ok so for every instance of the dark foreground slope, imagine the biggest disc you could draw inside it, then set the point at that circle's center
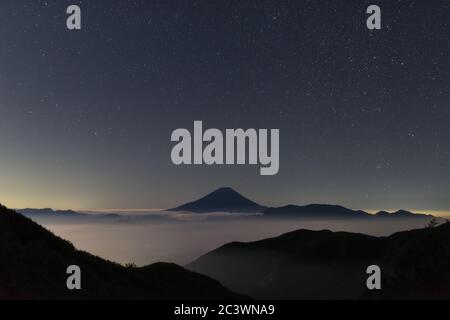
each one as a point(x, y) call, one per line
point(332, 265)
point(33, 265)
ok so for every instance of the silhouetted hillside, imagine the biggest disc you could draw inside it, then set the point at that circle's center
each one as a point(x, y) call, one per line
point(222, 200)
point(332, 265)
point(33, 265)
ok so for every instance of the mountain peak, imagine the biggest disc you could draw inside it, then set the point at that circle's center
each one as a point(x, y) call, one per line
point(224, 199)
point(402, 212)
point(225, 190)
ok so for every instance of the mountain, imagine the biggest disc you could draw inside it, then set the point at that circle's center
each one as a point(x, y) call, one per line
point(50, 216)
point(33, 265)
point(334, 212)
point(402, 214)
point(222, 200)
point(229, 200)
point(315, 211)
point(49, 212)
point(332, 265)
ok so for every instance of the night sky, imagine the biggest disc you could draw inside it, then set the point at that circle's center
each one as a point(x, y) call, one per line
point(86, 116)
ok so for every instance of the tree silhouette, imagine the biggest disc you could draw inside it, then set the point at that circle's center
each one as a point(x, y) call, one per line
point(130, 265)
point(432, 223)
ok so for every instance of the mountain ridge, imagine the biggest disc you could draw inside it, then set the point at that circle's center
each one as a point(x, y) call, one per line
point(315, 210)
point(305, 264)
point(226, 199)
point(49, 212)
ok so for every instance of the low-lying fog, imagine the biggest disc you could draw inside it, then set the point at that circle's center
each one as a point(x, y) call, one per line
point(182, 240)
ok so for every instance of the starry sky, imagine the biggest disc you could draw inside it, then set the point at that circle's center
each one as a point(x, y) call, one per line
point(86, 116)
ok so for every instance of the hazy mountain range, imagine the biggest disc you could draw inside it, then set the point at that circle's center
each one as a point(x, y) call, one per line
point(47, 215)
point(227, 200)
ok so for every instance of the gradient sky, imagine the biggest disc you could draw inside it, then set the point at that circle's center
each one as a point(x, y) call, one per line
point(86, 116)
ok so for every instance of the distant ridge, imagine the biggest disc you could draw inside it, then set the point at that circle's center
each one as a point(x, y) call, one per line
point(226, 199)
point(334, 211)
point(222, 200)
point(315, 211)
point(48, 212)
point(402, 214)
